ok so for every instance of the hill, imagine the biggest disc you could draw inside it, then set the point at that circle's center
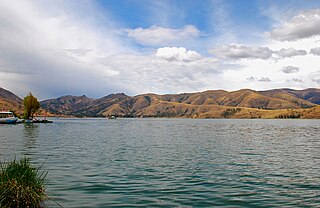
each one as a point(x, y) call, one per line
point(10, 101)
point(311, 94)
point(243, 103)
point(82, 105)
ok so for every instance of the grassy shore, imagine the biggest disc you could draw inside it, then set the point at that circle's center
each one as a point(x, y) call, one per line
point(21, 184)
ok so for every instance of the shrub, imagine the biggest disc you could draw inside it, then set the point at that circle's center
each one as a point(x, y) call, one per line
point(228, 113)
point(21, 184)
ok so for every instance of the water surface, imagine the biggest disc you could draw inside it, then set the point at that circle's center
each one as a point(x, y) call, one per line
point(173, 162)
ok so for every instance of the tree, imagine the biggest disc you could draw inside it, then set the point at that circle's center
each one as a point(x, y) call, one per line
point(31, 105)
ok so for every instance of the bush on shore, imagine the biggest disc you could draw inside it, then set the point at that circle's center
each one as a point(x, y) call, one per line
point(21, 184)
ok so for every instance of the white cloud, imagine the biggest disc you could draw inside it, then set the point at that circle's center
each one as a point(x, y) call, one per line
point(247, 52)
point(241, 52)
point(152, 74)
point(251, 78)
point(51, 52)
point(79, 51)
point(177, 54)
point(298, 80)
point(264, 79)
point(158, 36)
point(315, 51)
point(290, 69)
point(304, 25)
point(267, 67)
point(289, 52)
point(315, 78)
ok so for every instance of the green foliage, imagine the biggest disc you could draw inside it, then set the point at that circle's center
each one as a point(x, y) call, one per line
point(21, 184)
point(31, 105)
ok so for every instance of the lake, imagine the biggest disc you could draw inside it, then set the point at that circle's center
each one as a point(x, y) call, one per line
point(173, 162)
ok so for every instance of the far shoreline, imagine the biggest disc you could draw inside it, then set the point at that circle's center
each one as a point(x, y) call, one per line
point(154, 117)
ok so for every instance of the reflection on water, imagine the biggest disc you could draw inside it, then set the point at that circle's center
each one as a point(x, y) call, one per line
point(31, 130)
point(31, 135)
point(174, 162)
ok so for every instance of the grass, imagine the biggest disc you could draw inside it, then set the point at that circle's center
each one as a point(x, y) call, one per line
point(21, 184)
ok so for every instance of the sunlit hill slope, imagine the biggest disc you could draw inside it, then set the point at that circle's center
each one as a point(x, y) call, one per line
point(245, 103)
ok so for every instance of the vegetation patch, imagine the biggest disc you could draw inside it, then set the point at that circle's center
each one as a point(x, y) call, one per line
point(31, 105)
point(297, 115)
point(21, 184)
point(230, 112)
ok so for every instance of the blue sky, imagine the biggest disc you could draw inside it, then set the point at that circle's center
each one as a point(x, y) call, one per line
point(55, 47)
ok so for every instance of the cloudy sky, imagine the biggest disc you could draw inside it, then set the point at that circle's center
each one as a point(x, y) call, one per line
point(54, 47)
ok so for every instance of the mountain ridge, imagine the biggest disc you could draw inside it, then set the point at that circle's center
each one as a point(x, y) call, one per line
point(197, 104)
point(10, 101)
point(244, 103)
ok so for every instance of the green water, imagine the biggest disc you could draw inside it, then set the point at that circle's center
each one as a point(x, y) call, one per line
point(173, 162)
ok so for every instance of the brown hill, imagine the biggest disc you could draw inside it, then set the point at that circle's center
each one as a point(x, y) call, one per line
point(81, 105)
point(66, 105)
point(312, 94)
point(10, 101)
point(99, 106)
point(241, 98)
point(244, 103)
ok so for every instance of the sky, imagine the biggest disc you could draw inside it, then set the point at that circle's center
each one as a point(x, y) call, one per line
point(86, 47)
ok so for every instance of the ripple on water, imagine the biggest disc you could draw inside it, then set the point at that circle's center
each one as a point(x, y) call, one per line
point(173, 162)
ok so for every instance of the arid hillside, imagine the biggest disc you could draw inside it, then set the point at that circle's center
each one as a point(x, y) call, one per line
point(10, 101)
point(246, 103)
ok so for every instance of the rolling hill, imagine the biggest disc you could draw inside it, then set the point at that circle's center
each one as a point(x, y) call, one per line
point(10, 101)
point(245, 103)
